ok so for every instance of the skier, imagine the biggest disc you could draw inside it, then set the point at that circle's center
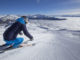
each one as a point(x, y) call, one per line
point(10, 35)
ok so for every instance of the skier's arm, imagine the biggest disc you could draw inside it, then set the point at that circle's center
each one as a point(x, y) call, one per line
point(25, 31)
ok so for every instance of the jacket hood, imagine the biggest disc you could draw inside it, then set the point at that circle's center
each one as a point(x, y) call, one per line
point(21, 20)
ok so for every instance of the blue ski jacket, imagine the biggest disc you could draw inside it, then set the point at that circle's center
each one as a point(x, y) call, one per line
point(12, 32)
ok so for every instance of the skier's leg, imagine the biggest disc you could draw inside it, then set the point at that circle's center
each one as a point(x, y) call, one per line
point(17, 42)
point(8, 43)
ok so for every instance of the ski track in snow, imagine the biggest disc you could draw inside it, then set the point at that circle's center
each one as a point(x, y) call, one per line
point(50, 45)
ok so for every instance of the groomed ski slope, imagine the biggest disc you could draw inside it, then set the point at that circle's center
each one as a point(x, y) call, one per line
point(51, 44)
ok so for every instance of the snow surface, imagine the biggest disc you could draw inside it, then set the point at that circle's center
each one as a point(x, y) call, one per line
point(55, 40)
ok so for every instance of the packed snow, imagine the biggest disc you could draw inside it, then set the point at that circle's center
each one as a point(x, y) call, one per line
point(55, 40)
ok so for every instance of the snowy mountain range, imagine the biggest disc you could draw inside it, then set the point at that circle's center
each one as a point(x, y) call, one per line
point(78, 15)
point(12, 18)
point(8, 18)
point(44, 17)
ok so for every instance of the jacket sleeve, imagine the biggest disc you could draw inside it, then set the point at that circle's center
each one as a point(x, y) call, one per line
point(25, 31)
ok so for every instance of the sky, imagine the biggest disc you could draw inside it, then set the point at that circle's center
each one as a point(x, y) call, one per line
point(48, 7)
